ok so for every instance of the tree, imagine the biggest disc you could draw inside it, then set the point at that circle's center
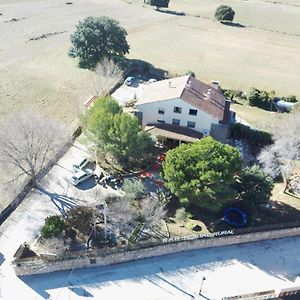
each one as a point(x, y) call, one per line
point(54, 225)
point(122, 211)
point(200, 173)
point(255, 186)
point(113, 131)
point(224, 13)
point(159, 3)
point(28, 142)
point(96, 38)
point(280, 157)
point(152, 212)
point(107, 74)
point(181, 215)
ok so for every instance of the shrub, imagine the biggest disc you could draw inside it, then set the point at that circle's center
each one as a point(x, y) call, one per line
point(255, 186)
point(182, 215)
point(253, 136)
point(224, 13)
point(54, 225)
point(134, 189)
point(291, 98)
point(260, 99)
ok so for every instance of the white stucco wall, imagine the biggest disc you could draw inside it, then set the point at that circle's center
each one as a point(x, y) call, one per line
point(150, 114)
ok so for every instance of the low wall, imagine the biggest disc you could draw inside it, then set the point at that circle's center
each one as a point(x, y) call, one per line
point(25, 267)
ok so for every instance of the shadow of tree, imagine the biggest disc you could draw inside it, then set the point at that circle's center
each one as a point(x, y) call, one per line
point(172, 12)
point(233, 24)
point(62, 202)
point(81, 292)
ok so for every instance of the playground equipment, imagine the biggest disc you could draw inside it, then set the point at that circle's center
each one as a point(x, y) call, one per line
point(235, 217)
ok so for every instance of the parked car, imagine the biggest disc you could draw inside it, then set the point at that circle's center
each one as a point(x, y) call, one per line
point(78, 167)
point(129, 80)
point(152, 80)
point(81, 176)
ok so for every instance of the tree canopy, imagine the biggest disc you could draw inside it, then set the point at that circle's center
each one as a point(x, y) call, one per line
point(28, 141)
point(255, 186)
point(115, 132)
point(200, 173)
point(96, 38)
point(159, 3)
point(280, 158)
point(224, 13)
point(54, 225)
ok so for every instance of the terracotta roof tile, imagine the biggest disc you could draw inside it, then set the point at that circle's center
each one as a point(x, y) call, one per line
point(204, 97)
point(190, 90)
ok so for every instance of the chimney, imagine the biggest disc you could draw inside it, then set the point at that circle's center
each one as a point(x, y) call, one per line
point(215, 85)
point(226, 114)
point(208, 93)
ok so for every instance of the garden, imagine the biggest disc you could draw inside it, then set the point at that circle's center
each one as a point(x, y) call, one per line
point(202, 188)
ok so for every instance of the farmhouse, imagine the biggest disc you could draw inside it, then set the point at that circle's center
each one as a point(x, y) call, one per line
point(183, 109)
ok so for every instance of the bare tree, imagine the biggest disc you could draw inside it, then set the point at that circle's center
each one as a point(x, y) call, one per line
point(28, 141)
point(107, 74)
point(280, 157)
point(122, 211)
point(152, 211)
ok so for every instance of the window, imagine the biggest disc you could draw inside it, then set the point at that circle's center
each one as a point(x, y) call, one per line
point(193, 112)
point(161, 111)
point(160, 121)
point(191, 124)
point(177, 109)
point(176, 122)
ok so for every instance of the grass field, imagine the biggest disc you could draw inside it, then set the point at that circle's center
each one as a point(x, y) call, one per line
point(39, 74)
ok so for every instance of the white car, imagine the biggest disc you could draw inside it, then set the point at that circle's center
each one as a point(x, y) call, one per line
point(129, 80)
point(78, 167)
point(152, 80)
point(81, 176)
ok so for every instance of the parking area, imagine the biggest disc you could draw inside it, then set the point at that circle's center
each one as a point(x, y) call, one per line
point(54, 195)
point(126, 93)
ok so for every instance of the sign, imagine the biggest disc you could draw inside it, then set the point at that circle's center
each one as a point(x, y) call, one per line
point(198, 236)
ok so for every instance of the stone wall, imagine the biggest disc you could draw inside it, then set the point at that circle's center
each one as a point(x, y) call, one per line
point(25, 267)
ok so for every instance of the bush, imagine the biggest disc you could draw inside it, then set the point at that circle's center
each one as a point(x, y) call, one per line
point(291, 98)
point(240, 131)
point(255, 186)
point(260, 99)
point(54, 225)
point(134, 189)
point(224, 13)
point(253, 136)
point(182, 215)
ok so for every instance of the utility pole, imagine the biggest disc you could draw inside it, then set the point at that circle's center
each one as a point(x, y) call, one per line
point(103, 208)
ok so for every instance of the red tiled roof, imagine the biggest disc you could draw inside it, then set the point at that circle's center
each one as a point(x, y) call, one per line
point(188, 89)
